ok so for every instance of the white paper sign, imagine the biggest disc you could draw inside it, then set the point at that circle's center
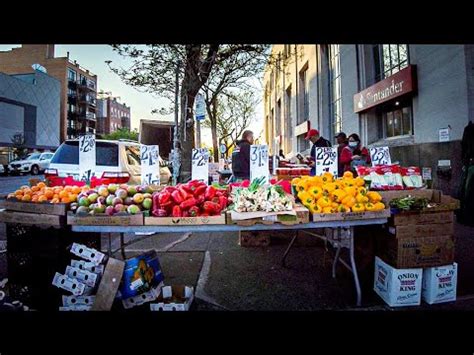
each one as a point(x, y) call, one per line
point(426, 173)
point(326, 160)
point(200, 107)
point(200, 164)
point(86, 157)
point(443, 134)
point(150, 164)
point(259, 162)
point(380, 156)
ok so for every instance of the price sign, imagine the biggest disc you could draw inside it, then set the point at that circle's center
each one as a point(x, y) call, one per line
point(150, 164)
point(326, 160)
point(380, 156)
point(259, 162)
point(86, 157)
point(200, 164)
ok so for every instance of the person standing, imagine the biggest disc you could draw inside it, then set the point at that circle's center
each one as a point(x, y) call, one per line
point(318, 141)
point(354, 154)
point(241, 157)
point(341, 140)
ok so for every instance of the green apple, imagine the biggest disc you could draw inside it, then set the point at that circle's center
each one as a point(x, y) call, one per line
point(133, 209)
point(147, 203)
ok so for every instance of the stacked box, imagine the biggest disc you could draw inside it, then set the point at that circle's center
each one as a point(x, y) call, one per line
point(439, 284)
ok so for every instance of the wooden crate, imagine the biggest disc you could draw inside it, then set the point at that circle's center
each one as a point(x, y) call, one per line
point(302, 216)
point(422, 230)
point(350, 216)
point(105, 220)
point(31, 218)
point(171, 221)
point(446, 203)
point(57, 209)
point(415, 218)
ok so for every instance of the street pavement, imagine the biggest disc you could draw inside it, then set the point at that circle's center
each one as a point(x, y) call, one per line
point(11, 183)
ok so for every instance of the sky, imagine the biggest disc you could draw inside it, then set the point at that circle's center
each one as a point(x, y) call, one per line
point(93, 57)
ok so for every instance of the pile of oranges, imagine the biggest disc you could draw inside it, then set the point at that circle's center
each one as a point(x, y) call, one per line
point(42, 193)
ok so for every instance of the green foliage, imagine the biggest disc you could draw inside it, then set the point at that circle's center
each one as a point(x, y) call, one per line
point(122, 133)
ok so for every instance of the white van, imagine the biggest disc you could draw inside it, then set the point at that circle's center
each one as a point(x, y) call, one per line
point(116, 162)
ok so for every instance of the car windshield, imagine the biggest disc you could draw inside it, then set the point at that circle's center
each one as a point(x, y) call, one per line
point(106, 154)
point(33, 156)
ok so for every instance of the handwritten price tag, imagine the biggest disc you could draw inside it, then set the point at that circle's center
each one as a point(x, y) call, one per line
point(150, 164)
point(326, 160)
point(259, 162)
point(86, 157)
point(380, 156)
point(200, 164)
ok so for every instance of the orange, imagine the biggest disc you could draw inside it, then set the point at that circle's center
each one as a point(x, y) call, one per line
point(41, 185)
point(76, 190)
point(85, 188)
point(55, 200)
point(49, 194)
point(18, 192)
point(73, 197)
point(26, 198)
point(57, 190)
point(42, 198)
point(35, 188)
point(68, 188)
point(34, 198)
point(63, 193)
point(65, 200)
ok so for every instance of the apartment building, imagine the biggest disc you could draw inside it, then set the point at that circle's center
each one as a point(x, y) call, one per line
point(78, 85)
point(416, 99)
point(112, 115)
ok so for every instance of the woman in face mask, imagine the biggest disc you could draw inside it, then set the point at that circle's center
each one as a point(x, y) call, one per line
point(354, 154)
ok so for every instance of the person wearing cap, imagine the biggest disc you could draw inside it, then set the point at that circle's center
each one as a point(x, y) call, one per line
point(318, 141)
point(341, 140)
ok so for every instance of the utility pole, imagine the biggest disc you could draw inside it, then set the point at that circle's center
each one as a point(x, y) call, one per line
point(176, 148)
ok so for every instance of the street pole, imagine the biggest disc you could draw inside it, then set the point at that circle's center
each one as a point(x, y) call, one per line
point(198, 134)
point(176, 152)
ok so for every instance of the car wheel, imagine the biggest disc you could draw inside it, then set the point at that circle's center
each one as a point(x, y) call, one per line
point(34, 170)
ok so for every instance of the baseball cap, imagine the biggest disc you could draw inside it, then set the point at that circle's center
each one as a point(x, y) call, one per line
point(340, 134)
point(311, 132)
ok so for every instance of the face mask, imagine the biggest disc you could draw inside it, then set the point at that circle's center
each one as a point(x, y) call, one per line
point(352, 144)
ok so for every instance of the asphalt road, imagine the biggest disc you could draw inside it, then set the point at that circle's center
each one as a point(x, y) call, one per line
point(11, 183)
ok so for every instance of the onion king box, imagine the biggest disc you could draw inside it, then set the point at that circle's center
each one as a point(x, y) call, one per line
point(439, 284)
point(397, 287)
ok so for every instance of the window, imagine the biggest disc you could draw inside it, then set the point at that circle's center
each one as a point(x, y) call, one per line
point(335, 89)
point(133, 155)
point(68, 153)
point(287, 51)
point(304, 95)
point(71, 108)
point(71, 74)
point(302, 143)
point(288, 122)
point(389, 59)
point(397, 122)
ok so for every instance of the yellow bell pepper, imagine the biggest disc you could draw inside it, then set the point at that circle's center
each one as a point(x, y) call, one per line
point(295, 181)
point(334, 205)
point(361, 198)
point(343, 209)
point(316, 192)
point(347, 175)
point(349, 201)
point(350, 190)
point(362, 190)
point(327, 177)
point(324, 202)
point(374, 197)
point(302, 186)
point(316, 180)
point(359, 181)
point(379, 206)
point(314, 208)
point(369, 206)
point(327, 210)
point(329, 188)
point(358, 207)
point(305, 197)
point(339, 195)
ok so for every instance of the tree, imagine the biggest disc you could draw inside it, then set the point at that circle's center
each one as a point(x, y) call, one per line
point(19, 147)
point(153, 70)
point(233, 115)
point(122, 133)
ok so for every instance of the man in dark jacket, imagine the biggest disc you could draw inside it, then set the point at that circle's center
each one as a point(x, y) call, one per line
point(318, 141)
point(241, 157)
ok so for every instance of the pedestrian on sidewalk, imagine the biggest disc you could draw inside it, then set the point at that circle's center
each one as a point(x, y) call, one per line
point(318, 141)
point(354, 154)
point(241, 157)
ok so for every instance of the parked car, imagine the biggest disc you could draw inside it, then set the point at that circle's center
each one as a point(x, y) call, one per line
point(2, 169)
point(116, 162)
point(33, 163)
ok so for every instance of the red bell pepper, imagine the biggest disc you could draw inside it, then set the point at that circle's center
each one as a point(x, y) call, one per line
point(160, 213)
point(215, 199)
point(184, 213)
point(187, 204)
point(156, 201)
point(169, 189)
point(223, 202)
point(188, 188)
point(245, 183)
point(194, 211)
point(184, 194)
point(176, 212)
point(200, 190)
point(164, 197)
point(204, 214)
point(211, 207)
point(168, 206)
point(194, 182)
point(219, 193)
point(200, 200)
point(177, 197)
point(210, 192)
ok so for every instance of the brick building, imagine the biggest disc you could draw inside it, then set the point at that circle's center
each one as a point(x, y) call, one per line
point(78, 85)
point(112, 115)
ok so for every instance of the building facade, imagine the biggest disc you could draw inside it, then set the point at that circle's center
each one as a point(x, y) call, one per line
point(78, 85)
point(30, 105)
point(112, 115)
point(416, 99)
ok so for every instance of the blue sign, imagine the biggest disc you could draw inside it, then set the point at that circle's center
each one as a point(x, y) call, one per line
point(200, 109)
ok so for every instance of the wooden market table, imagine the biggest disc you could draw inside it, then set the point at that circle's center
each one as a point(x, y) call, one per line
point(340, 234)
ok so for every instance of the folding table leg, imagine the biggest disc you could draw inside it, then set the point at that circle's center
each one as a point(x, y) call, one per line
point(334, 263)
point(122, 245)
point(109, 251)
point(354, 267)
point(283, 261)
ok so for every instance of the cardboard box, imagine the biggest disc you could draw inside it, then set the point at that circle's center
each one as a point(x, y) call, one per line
point(421, 230)
point(300, 215)
point(32, 218)
point(170, 221)
point(439, 284)
point(57, 209)
point(105, 220)
point(397, 287)
point(414, 252)
point(445, 203)
point(401, 219)
point(174, 298)
point(350, 216)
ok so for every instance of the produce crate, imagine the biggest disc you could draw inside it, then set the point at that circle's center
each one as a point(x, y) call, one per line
point(105, 220)
point(421, 230)
point(350, 216)
point(57, 209)
point(7, 216)
point(302, 216)
point(416, 218)
point(445, 202)
point(169, 221)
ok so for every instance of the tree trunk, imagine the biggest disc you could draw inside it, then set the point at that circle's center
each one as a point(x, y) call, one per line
point(187, 138)
point(213, 120)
